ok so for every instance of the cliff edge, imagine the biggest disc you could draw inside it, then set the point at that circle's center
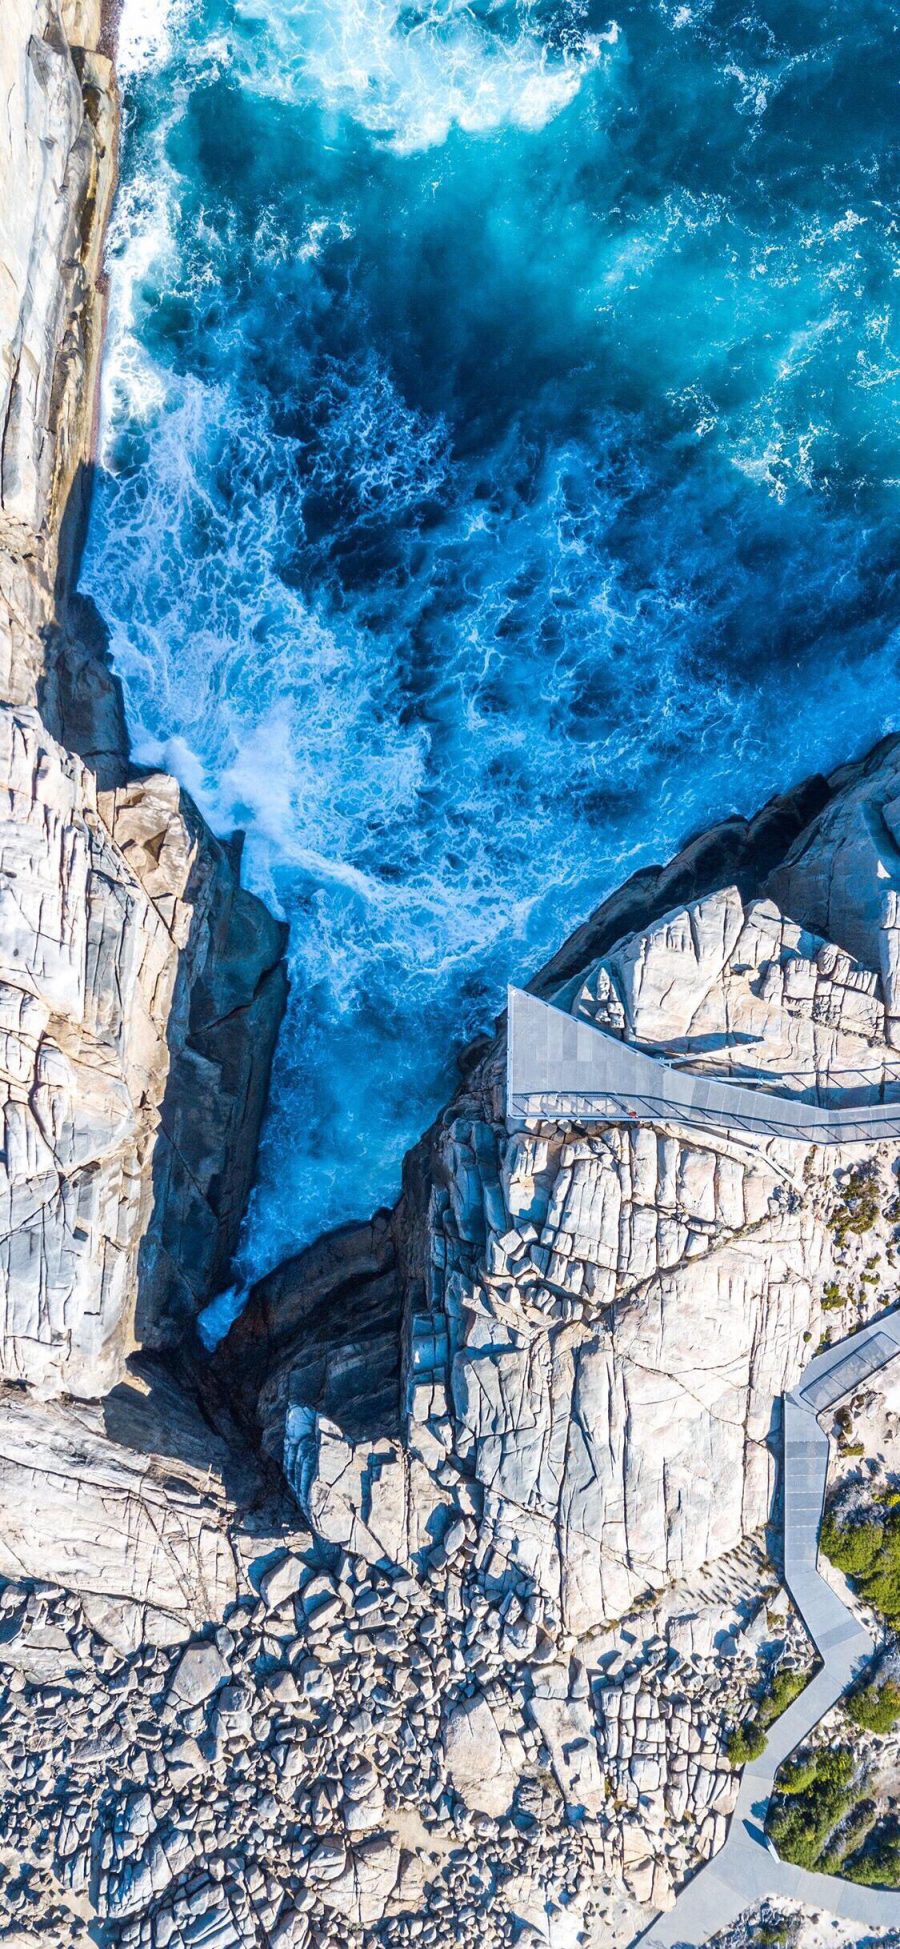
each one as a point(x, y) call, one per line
point(141, 986)
point(473, 1676)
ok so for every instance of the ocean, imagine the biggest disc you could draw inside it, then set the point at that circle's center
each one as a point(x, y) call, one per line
point(498, 479)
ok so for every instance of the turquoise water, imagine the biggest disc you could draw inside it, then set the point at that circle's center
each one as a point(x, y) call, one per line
point(499, 478)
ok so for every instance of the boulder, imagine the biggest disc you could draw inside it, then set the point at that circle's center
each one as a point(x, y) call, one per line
point(478, 1763)
point(200, 1671)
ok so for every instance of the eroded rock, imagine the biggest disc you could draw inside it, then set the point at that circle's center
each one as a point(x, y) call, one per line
point(480, 1766)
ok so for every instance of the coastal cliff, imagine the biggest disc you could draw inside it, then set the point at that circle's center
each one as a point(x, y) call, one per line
point(590, 1327)
point(427, 1607)
point(140, 986)
point(143, 987)
point(549, 1382)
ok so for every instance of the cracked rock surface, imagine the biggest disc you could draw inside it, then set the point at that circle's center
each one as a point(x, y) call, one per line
point(595, 1324)
point(423, 1611)
point(552, 1384)
point(140, 986)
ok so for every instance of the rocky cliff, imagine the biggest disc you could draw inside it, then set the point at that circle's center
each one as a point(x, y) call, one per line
point(551, 1378)
point(593, 1325)
point(530, 1416)
point(142, 988)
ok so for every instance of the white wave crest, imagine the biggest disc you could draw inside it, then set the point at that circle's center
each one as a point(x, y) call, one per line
point(410, 83)
point(144, 34)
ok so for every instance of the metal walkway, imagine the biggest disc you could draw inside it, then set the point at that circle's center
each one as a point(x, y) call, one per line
point(744, 1873)
point(561, 1068)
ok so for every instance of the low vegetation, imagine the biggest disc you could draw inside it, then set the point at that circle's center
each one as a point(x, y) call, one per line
point(844, 1425)
point(774, 1931)
point(825, 1815)
point(849, 1839)
point(858, 1208)
point(748, 1740)
point(879, 1865)
point(818, 1794)
point(866, 1546)
point(875, 1708)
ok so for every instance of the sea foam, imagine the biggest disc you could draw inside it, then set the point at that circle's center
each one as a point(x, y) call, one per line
point(496, 485)
point(411, 75)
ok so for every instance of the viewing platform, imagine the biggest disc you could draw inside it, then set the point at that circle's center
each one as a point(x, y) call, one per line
point(560, 1068)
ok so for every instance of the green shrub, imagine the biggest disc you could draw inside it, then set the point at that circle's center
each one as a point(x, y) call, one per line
point(882, 1588)
point(874, 1708)
point(774, 1930)
point(798, 1774)
point(855, 1549)
point(786, 1686)
point(849, 1837)
point(835, 1765)
point(746, 1742)
point(801, 1829)
point(879, 1865)
point(869, 1552)
point(802, 1820)
point(857, 1211)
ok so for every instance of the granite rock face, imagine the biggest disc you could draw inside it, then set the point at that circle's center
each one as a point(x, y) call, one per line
point(57, 161)
point(91, 1501)
point(546, 1388)
point(88, 964)
point(528, 1415)
point(141, 986)
point(595, 1324)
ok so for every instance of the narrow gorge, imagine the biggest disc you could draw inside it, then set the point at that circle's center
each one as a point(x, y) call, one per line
point(443, 1600)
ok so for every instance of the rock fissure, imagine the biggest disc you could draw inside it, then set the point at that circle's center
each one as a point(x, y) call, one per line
point(421, 1609)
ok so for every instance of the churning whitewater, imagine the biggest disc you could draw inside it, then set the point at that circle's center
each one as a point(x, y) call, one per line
point(497, 480)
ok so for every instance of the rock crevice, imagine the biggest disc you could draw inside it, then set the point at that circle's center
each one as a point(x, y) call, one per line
point(143, 985)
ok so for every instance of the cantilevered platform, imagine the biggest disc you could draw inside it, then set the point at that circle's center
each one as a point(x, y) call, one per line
point(559, 1068)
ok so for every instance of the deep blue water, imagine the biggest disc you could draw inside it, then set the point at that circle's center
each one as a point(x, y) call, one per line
point(501, 477)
